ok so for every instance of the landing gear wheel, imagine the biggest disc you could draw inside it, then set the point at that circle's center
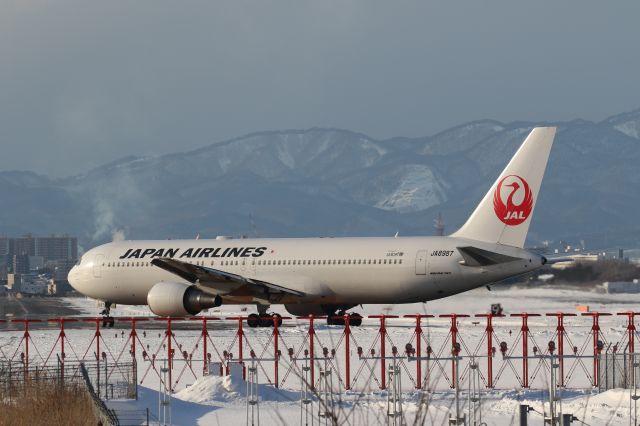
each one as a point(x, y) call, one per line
point(107, 319)
point(336, 318)
point(108, 322)
point(276, 319)
point(253, 320)
point(265, 321)
point(355, 320)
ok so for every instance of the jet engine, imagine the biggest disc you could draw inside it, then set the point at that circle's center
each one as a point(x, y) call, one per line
point(169, 299)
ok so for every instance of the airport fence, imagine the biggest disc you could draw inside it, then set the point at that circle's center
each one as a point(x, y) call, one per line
point(108, 382)
point(431, 352)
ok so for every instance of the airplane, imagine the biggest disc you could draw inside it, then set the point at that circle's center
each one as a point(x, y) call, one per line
point(326, 276)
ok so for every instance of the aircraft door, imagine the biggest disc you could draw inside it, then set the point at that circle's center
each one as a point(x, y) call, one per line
point(421, 262)
point(97, 266)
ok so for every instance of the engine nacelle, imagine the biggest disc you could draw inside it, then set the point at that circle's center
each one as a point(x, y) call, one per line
point(167, 299)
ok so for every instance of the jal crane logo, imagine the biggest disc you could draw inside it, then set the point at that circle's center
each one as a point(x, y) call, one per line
point(519, 200)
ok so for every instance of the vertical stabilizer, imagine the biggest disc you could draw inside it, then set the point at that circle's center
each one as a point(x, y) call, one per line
point(504, 214)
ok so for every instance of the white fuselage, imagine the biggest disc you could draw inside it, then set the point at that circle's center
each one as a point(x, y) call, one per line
point(346, 271)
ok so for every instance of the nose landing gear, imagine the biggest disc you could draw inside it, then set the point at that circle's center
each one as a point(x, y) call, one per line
point(107, 319)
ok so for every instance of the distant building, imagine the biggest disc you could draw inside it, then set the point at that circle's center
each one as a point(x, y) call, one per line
point(613, 287)
point(36, 263)
point(20, 264)
point(34, 284)
point(22, 246)
point(57, 247)
point(13, 281)
point(28, 254)
point(59, 270)
point(4, 269)
point(4, 258)
point(54, 247)
point(4, 246)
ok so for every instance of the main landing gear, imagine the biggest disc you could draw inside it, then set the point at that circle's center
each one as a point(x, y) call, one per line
point(355, 319)
point(263, 318)
point(266, 320)
point(107, 319)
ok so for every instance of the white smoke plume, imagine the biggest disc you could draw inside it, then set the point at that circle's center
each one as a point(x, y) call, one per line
point(118, 235)
point(104, 219)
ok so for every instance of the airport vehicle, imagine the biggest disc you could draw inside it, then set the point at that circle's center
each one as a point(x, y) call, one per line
point(327, 276)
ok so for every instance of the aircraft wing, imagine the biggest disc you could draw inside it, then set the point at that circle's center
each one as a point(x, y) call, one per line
point(215, 279)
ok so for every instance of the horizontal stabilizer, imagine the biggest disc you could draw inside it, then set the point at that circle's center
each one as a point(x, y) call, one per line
point(474, 256)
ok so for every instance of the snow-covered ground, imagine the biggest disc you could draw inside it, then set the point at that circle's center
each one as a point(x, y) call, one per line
point(220, 400)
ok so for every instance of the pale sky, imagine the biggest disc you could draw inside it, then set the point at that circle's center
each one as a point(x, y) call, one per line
point(86, 82)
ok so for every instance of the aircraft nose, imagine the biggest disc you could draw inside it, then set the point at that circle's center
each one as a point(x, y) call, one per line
point(74, 278)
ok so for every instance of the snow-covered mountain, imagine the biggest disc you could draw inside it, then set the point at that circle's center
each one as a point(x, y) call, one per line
point(329, 182)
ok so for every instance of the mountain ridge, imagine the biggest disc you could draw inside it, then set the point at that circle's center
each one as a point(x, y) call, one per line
point(335, 182)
